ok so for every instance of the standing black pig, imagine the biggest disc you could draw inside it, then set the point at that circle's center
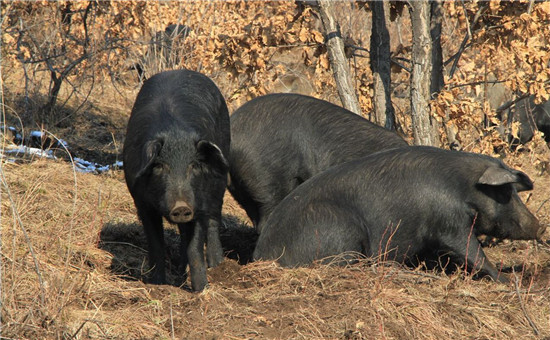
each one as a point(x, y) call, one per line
point(402, 204)
point(174, 164)
point(281, 140)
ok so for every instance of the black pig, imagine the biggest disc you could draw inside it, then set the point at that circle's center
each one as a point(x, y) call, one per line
point(532, 117)
point(281, 140)
point(174, 165)
point(404, 204)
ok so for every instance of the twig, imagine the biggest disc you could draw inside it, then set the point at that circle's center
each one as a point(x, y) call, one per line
point(393, 61)
point(531, 323)
point(467, 37)
point(454, 56)
point(511, 102)
point(355, 47)
point(479, 83)
point(468, 248)
point(79, 329)
point(295, 45)
point(530, 8)
point(545, 244)
point(466, 18)
point(543, 203)
point(96, 322)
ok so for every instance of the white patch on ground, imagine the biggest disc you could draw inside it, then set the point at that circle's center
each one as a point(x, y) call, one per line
point(22, 150)
point(11, 153)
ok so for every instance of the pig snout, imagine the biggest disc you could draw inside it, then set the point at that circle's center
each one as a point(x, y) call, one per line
point(536, 228)
point(532, 230)
point(181, 213)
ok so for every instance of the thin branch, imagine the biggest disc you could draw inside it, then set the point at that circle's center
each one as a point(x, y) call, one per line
point(469, 30)
point(479, 83)
point(355, 47)
point(531, 323)
point(530, 8)
point(543, 203)
point(469, 26)
point(395, 62)
point(295, 45)
point(456, 55)
point(511, 102)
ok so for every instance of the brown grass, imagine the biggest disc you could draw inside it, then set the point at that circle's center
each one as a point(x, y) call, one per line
point(90, 256)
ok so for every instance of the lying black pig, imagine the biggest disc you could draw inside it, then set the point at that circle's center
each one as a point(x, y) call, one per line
point(175, 167)
point(403, 203)
point(281, 140)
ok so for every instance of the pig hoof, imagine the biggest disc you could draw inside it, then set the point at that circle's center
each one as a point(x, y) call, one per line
point(214, 260)
point(199, 285)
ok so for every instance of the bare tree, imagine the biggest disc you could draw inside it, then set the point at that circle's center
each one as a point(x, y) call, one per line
point(59, 41)
point(384, 113)
point(424, 127)
point(337, 56)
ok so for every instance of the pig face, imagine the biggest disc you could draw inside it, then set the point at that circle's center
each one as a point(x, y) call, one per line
point(500, 211)
point(176, 179)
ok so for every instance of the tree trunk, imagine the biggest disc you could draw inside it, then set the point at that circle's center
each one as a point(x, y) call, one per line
point(53, 92)
point(384, 113)
point(424, 127)
point(437, 80)
point(337, 57)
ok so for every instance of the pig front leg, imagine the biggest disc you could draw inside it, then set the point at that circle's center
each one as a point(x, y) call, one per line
point(468, 252)
point(194, 238)
point(154, 231)
point(214, 250)
point(184, 245)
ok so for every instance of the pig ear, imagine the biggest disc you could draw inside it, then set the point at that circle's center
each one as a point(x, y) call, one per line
point(524, 183)
point(499, 176)
point(150, 152)
point(212, 155)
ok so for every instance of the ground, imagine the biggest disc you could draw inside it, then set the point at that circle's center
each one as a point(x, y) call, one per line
point(83, 238)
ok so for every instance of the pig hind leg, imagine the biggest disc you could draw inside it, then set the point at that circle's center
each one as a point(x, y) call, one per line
point(325, 231)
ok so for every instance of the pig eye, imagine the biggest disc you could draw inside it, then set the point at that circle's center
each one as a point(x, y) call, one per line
point(158, 169)
point(196, 167)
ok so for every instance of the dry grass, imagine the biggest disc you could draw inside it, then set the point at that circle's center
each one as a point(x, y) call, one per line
point(89, 254)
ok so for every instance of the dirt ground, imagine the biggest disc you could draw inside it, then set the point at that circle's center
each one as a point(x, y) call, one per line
point(85, 241)
point(74, 266)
